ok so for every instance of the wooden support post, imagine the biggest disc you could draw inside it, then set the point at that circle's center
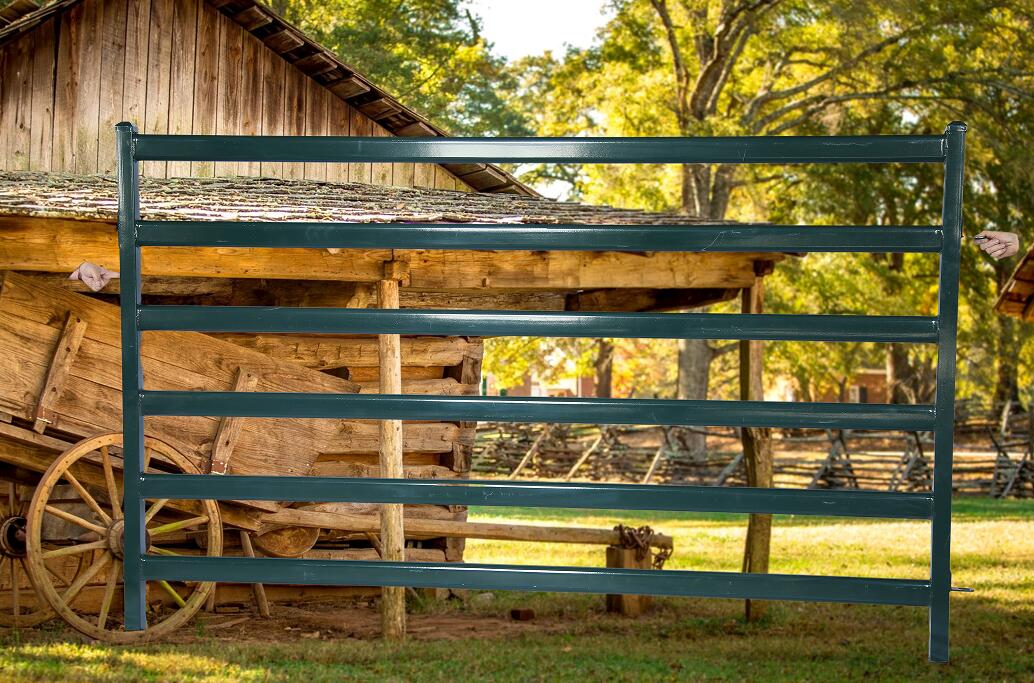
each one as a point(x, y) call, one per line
point(230, 427)
point(627, 558)
point(257, 588)
point(57, 373)
point(393, 537)
point(757, 449)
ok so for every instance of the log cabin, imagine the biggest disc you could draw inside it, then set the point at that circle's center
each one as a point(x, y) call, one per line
point(71, 69)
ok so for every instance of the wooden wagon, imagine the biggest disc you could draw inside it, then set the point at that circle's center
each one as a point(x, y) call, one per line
point(61, 388)
point(60, 456)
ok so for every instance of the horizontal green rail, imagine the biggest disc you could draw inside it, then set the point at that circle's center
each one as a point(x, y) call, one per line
point(531, 578)
point(693, 237)
point(846, 328)
point(677, 150)
point(835, 503)
point(540, 409)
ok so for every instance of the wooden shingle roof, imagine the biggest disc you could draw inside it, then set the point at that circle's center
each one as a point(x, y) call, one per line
point(93, 197)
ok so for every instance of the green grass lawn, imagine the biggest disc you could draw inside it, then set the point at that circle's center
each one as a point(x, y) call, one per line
point(572, 639)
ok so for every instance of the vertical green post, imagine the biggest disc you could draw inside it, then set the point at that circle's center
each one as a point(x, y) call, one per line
point(132, 377)
point(948, 320)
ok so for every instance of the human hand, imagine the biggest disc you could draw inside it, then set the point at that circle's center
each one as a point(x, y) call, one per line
point(998, 245)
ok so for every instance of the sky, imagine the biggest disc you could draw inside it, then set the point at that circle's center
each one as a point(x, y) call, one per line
point(519, 28)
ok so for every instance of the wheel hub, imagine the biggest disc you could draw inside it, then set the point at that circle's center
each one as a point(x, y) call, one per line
point(116, 538)
point(12, 536)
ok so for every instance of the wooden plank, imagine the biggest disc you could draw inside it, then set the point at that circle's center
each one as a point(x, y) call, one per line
point(183, 72)
point(41, 125)
point(273, 79)
point(18, 96)
point(295, 84)
point(357, 469)
point(112, 80)
point(417, 129)
point(60, 245)
point(403, 175)
point(423, 175)
point(315, 64)
point(283, 41)
point(317, 121)
point(393, 536)
point(66, 88)
point(206, 80)
point(87, 102)
point(137, 62)
point(417, 527)
point(158, 96)
point(360, 126)
point(228, 109)
point(252, 18)
point(339, 123)
point(329, 352)
point(230, 427)
point(349, 87)
point(381, 173)
point(61, 362)
point(252, 77)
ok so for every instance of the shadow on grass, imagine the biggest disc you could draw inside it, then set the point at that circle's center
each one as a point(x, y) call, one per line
point(572, 640)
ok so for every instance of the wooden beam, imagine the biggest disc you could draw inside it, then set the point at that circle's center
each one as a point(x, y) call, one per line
point(61, 362)
point(230, 427)
point(329, 352)
point(757, 448)
point(431, 528)
point(393, 536)
point(60, 245)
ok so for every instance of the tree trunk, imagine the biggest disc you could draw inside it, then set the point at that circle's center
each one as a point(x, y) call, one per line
point(604, 368)
point(694, 374)
point(900, 375)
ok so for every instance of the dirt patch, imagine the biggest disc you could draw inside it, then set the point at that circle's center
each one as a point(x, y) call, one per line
point(337, 619)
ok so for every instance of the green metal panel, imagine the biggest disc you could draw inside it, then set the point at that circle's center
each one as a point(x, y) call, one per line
point(947, 149)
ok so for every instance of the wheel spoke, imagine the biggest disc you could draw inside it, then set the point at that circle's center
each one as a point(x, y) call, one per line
point(74, 549)
point(153, 510)
point(147, 459)
point(75, 519)
point(70, 594)
point(162, 551)
point(176, 597)
point(109, 595)
point(15, 590)
point(176, 526)
point(109, 480)
point(87, 498)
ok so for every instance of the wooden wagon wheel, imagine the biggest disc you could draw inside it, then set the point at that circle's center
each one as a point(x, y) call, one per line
point(24, 609)
point(173, 528)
